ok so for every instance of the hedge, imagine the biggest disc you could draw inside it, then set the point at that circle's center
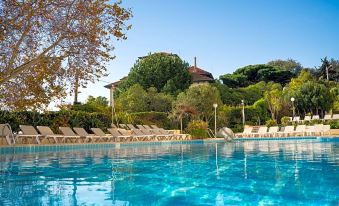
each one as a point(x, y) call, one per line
point(80, 119)
point(56, 119)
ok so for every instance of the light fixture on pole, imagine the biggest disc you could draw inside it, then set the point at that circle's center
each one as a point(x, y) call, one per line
point(292, 100)
point(327, 67)
point(243, 111)
point(215, 105)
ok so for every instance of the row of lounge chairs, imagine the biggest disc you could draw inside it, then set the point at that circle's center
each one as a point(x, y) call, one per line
point(31, 135)
point(300, 130)
point(315, 117)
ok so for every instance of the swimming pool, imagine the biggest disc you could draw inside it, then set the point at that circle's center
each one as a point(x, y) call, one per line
point(211, 173)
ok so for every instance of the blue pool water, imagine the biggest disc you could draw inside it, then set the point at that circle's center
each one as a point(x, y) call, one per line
point(277, 172)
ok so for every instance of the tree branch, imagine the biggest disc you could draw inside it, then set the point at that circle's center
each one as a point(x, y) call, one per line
point(30, 63)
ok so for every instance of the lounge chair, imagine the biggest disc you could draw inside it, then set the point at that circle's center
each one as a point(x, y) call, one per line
point(47, 132)
point(307, 118)
point(300, 130)
point(163, 134)
point(141, 126)
point(69, 133)
point(118, 136)
point(154, 126)
point(262, 131)
point(99, 132)
point(174, 136)
point(318, 129)
point(327, 117)
point(131, 126)
point(143, 136)
point(296, 119)
point(147, 127)
point(157, 134)
point(310, 130)
point(246, 133)
point(288, 131)
point(272, 131)
point(335, 116)
point(6, 132)
point(326, 129)
point(29, 131)
point(129, 132)
point(82, 133)
point(315, 117)
point(123, 126)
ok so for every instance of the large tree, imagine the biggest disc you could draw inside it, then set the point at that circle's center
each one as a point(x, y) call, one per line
point(252, 74)
point(199, 98)
point(331, 66)
point(289, 64)
point(163, 71)
point(48, 45)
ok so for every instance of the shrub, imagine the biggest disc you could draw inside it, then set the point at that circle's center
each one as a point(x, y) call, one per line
point(334, 124)
point(198, 129)
point(285, 121)
point(271, 122)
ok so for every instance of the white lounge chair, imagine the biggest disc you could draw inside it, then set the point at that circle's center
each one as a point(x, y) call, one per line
point(327, 117)
point(262, 131)
point(288, 131)
point(246, 133)
point(335, 116)
point(315, 117)
point(300, 130)
point(326, 130)
point(272, 131)
point(307, 118)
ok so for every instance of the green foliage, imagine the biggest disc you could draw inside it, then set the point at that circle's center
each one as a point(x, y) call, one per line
point(271, 123)
point(99, 104)
point(261, 109)
point(233, 96)
point(333, 69)
point(163, 71)
point(132, 100)
point(198, 129)
point(288, 64)
point(285, 121)
point(159, 102)
point(158, 118)
point(230, 116)
point(56, 119)
point(201, 98)
point(252, 74)
point(274, 99)
point(313, 97)
point(334, 124)
point(136, 99)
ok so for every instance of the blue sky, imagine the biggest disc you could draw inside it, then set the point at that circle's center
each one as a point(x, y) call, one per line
point(226, 34)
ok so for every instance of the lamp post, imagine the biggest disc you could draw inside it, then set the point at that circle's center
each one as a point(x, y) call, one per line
point(215, 105)
point(243, 112)
point(292, 100)
point(327, 67)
